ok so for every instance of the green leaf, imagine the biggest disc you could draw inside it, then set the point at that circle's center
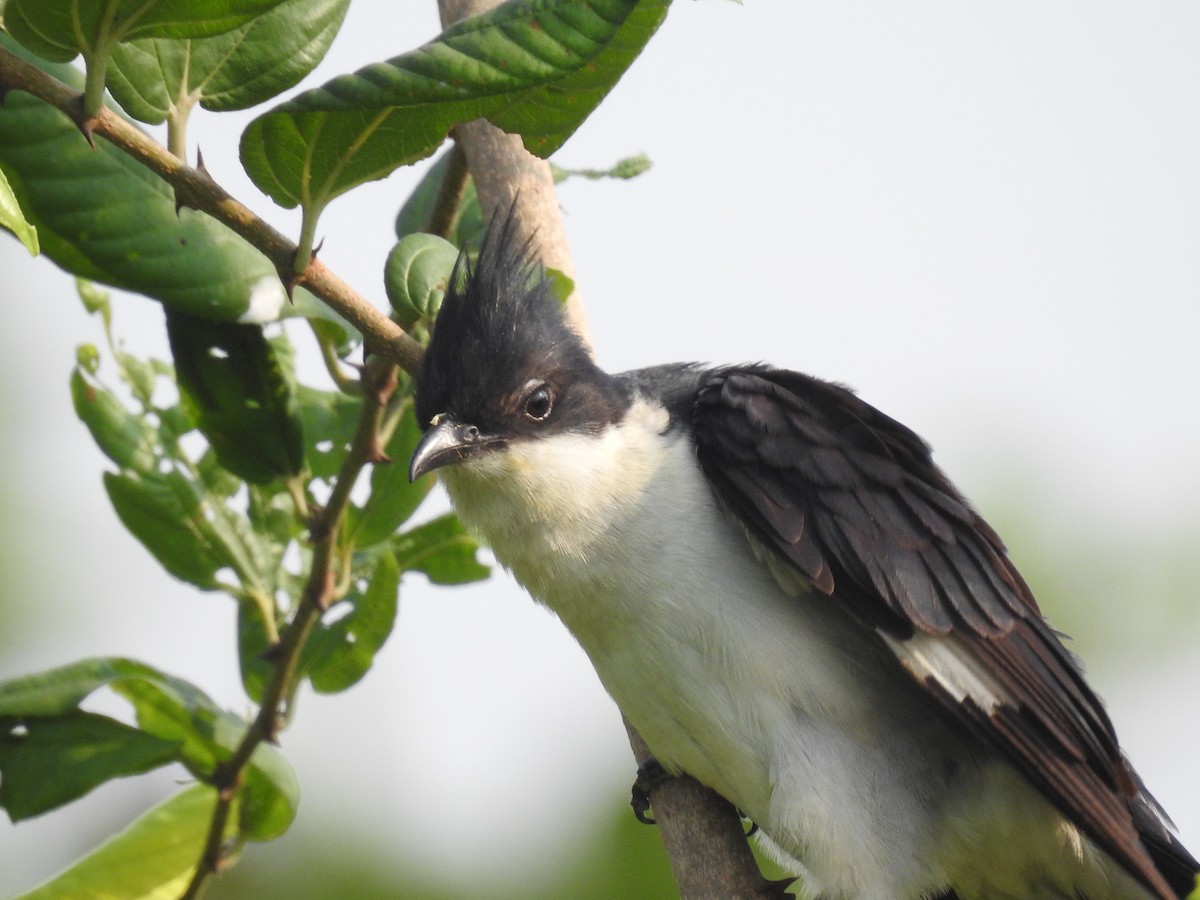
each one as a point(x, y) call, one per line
point(104, 217)
point(171, 709)
point(625, 169)
point(535, 67)
point(233, 385)
point(414, 214)
point(166, 513)
point(152, 859)
point(442, 549)
point(207, 735)
point(94, 300)
point(57, 692)
point(241, 68)
point(14, 220)
point(328, 419)
point(47, 762)
point(415, 277)
point(269, 797)
point(124, 438)
point(252, 644)
point(339, 655)
point(59, 30)
point(393, 497)
point(177, 712)
point(417, 209)
point(139, 375)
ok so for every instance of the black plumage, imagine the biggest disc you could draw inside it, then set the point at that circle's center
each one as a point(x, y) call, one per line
point(509, 330)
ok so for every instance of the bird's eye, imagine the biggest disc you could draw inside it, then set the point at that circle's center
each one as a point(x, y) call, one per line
point(539, 402)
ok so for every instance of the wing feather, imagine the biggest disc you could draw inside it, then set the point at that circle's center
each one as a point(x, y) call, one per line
point(851, 500)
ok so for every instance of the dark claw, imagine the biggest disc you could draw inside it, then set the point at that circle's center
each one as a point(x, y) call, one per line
point(650, 774)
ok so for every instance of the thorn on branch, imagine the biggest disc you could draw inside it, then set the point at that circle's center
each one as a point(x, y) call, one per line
point(316, 515)
point(382, 388)
point(84, 122)
point(273, 654)
point(327, 590)
point(290, 278)
point(200, 167)
point(273, 727)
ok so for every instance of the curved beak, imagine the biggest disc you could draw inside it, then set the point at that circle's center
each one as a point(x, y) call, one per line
point(447, 442)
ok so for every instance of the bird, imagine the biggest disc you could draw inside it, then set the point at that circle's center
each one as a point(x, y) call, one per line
point(790, 602)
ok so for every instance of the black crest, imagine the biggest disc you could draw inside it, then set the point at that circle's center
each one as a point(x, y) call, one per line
point(500, 326)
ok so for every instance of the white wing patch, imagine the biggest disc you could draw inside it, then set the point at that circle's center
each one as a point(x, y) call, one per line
point(947, 662)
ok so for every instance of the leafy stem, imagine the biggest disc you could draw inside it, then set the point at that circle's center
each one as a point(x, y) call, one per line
point(379, 382)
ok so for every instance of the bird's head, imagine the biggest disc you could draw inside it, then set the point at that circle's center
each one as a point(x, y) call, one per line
point(503, 367)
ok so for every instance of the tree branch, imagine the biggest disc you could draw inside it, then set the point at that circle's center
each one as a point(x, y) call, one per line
point(701, 831)
point(195, 188)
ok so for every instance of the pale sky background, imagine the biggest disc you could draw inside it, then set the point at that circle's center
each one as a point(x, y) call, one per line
point(984, 216)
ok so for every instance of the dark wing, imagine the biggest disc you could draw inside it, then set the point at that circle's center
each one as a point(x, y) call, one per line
point(851, 499)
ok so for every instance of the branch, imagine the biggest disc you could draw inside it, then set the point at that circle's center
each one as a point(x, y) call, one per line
point(195, 188)
point(701, 831)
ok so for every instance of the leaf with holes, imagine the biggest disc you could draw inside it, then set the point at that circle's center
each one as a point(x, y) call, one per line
point(201, 734)
point(338, 655)
point(233, 385)
point(49, 761)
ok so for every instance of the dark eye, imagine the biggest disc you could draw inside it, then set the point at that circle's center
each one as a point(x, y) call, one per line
point(539, 402)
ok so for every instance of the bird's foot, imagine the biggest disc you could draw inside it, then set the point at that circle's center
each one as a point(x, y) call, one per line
point(649, 776)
